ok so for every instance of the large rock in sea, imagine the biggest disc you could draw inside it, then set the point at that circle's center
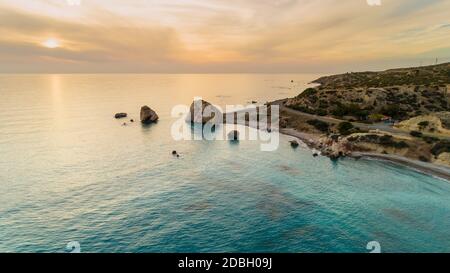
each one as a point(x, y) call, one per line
point(120, 115)
point(148, 115)
point(233, 135)
point(197, 113)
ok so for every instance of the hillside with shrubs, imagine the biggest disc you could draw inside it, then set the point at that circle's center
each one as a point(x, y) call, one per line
point(371, 96)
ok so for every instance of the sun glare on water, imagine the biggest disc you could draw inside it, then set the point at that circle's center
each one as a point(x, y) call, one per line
point(51, 43)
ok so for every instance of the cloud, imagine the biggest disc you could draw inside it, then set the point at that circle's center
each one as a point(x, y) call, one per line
point(21, 35)
point(219, 35)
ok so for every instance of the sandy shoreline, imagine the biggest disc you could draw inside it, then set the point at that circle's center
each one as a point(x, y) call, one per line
point(313, 140)
point(423, 167)
point(427, 168)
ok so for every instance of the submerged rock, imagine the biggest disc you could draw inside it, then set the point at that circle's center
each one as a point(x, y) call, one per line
point(203, 112)
point(294, 143)
point(233, 135)
point(175, 153)
point(148, 115)
point(334, 157)
point(121, 115)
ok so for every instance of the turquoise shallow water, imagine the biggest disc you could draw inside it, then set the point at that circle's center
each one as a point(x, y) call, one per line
point(70, 172)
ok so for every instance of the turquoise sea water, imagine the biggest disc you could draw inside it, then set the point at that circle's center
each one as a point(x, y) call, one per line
point(70, 172)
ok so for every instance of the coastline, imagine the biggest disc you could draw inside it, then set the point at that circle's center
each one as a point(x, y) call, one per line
point(427, 168)
point(422, 167)
point(312, 142)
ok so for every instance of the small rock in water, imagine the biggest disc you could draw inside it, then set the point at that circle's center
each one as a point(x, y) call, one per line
point(131, 120)
point(294, 143)
point(124, 124)
point(315, 154)
point(121, 115)
point(174, 153)
point(292, 80)
point(254, 102)
point(233, 135)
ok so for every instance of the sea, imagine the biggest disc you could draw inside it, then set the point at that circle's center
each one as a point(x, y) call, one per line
point(74, 178)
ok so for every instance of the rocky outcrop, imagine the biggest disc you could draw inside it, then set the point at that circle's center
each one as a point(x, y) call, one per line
point(120, 115)
point(202, 112)
point(233, 135)
point(148, 116)
point(294, 143)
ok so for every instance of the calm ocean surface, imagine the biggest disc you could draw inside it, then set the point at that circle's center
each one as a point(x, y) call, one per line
point(70, 172)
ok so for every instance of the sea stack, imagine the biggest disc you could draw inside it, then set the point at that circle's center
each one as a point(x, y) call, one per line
point(148, 116)
point(202, 112)
point(233, 135)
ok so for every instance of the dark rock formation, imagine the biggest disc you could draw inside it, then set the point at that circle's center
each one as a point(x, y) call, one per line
point(233, 135)
point(121, 115)
point(148, 115)
point(294, 143)
point(197, 113)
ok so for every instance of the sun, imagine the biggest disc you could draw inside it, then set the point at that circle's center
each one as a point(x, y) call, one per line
point(51, 43)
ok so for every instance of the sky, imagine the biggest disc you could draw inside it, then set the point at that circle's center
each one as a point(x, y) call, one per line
point(221, 36)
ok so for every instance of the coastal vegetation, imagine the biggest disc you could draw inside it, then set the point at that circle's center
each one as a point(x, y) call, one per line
point(399, 111)
point(370, 96)
point(319, 125)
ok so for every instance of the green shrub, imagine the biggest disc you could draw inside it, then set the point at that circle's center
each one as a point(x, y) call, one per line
point(416, 134)
point(442, 146)
point(344, 128)
point(309, 92)
point(321, 112)
point(423, 124)
point(401, 145)
point(392, 111)
point(430, 140)
point(319, 125)
point(376, 117)
point(350, 110)
point(303, 109)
